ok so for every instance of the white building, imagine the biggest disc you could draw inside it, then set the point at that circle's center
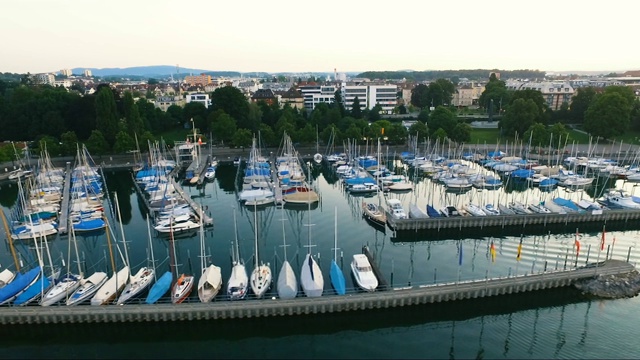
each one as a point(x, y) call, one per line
point(314, 94)
point(370, 95)
point(199, 97)
point(66, 83)
point(66, 72)
point(87, 73)
point(48, 79)
point(555, 93)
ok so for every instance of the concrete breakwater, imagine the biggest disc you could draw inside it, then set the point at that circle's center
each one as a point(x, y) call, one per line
point(397, 297)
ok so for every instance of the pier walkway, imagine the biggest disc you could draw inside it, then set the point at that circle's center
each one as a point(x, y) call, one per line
point(206, 219)
point(537, 220)
point(396, 297)
point(64, 205)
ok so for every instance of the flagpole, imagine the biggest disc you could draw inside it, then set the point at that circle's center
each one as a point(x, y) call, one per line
point(600, 248)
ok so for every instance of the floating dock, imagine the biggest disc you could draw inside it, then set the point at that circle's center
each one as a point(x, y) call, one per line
point(416, 295)
point(503, 221)
point(64, 205)
point(206, 219)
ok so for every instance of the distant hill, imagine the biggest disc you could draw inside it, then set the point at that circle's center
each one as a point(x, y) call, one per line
point(147, 71)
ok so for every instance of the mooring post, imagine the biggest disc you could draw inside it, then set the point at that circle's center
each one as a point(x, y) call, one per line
point(509, 274)
point(607, 256)
point(628, 253)
point(435, 273)
point(588, 251)
point(391, 280)
point(566, 257)
point(545, 266)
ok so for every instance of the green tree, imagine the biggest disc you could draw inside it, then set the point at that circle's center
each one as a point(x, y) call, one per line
point(440, 135)
point(519, 117)
point(242, 137)
point(267, 135)
point(69, 142)
point(106, 115)
point(580, 103)
point(495, 92)
point(307, 135)
point(223, 127)
point(132, 116)
point(374, 114)
point(233, 102)
point(356, 111)
point(442, 118)
point(396, 133)
point(423, 116)
point(124, 142)
point(420, 96)
point(353, 132)
point(608, 116)
point(558, 133)
point(420, 129)
point(97, 144)
point(537, 134)
point(536, 97)
point(254, 117)
point(51, 144)
point(461, 133)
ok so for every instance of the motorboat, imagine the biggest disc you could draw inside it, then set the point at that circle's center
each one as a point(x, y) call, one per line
point(364, 188)
point(374, 213)
point(363, 273)
point(490, 210)
point(619, 199)
point(210, 173)
point(474, 210)
point(395, 209)
point(177, 224)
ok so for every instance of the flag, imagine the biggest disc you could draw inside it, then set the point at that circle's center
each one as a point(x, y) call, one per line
point(493, 252)
point(519, 254)
point(602, 242)
point(199, 141)
point(460, 258)
point(382, 131)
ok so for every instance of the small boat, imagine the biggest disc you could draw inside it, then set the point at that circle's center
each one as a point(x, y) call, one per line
point(450, 211)
point(374, 213)
point(137, 284)
point(311, 278)
point(416, 213)
point(177, 224)
point(474, 210)
point(111, 288)
point(505, 210)
point(395, 209)
point(364, 188)
point(87, 288)
point(65, 286)
point(519, 208)
point(539, 209)
point(19, 284)
point(182, 288)
point(489, 209)
point(363, 273)
point(161, 286)
point(210, 174)
point(287, 282)
point(238, 281)
point(619, 199)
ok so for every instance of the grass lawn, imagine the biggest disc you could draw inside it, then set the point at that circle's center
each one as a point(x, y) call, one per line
point(482, 136)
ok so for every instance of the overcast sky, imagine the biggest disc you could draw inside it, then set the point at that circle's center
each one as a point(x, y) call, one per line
point(319, 35)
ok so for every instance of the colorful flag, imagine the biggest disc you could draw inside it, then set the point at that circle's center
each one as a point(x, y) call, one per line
point(493, 252)
point(602, 242)
point(519, 254)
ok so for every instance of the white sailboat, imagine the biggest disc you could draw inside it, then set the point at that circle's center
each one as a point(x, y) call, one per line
point(311, 276)
point(261, 274)
point(70, 282)
point(210, 281)
point(142, 279)
point(287, 282)
point(181, 289)
point(116, 283)
point(238, 281)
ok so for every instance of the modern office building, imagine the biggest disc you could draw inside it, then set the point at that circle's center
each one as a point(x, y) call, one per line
point(370, 95)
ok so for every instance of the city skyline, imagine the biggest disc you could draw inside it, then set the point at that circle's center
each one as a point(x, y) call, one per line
point(289, 36)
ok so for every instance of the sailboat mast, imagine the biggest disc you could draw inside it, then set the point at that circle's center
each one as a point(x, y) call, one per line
point(75, 246)
point(255, 220)
point(236, 255)
point(335, 235)
point(124, 242)
point(284, 241)
point(153, 259)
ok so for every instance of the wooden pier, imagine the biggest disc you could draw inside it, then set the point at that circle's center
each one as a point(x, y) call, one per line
point(416, 295)
point(206, 219)
point(540, 221)
point(64, 205)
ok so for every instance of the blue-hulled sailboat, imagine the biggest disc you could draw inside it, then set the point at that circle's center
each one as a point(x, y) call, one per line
point(335, 273)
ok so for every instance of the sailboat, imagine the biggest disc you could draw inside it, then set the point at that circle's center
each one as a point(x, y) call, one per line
point(237, 284)
point(68, 284)
point(261, 274)
point(116, 283)
point(142, 279)
point(374, 212)
point(162, 284)
point(181, 289)
point(287, 282)
point(336, 275)
point(41, 285)
point(210, 281)
point(311, 276)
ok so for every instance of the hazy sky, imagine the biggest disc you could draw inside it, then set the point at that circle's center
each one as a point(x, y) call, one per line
point(301, 35)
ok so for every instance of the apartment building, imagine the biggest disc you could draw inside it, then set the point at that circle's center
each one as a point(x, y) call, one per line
point(195, 80)
point(292, 97)
point(66, 72)
point(370, 95)
point(200, 98)
point(555, 93)
point(47, 79)
point(314, 93)
point(87, 73)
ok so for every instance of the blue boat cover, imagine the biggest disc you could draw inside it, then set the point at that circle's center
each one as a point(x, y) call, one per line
point(160, 288)
point(566, 203)
point(19, 283)
point(432, 212)
point(337, 278)
point(38, 287)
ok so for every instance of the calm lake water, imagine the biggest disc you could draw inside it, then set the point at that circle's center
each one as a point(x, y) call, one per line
point(548, 324)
